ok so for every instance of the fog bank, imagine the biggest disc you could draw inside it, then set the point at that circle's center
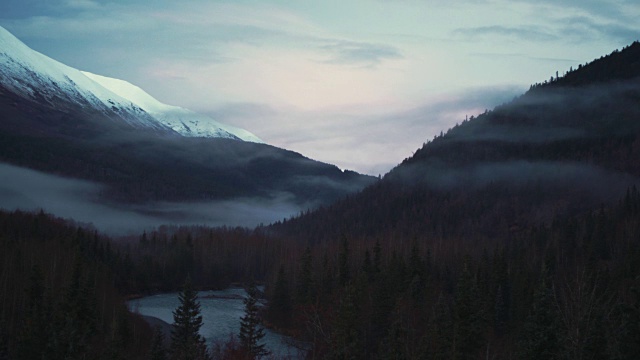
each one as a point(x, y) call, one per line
point(80, 200)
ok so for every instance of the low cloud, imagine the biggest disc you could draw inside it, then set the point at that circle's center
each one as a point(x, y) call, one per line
point(79, 200)
point(362, 138)
point(601, 184)
point(241, 111)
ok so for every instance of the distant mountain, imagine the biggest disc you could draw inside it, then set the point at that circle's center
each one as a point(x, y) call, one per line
point(566, 146)
point(40, 79)
point(65, 122)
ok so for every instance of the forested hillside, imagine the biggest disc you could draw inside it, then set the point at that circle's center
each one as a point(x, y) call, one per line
point(59, 293)
point(560, 149)
point(512, 235)
point(567, 290)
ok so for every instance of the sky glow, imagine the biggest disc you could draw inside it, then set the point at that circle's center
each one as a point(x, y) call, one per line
point(359, 84)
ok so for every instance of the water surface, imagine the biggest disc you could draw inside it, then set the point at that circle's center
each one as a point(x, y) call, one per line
point(221, 312)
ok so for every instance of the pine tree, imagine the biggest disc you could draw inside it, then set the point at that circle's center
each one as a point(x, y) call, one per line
point(74, 321)
point(251, 331)
point(377, 258)
point(417, 284)
point(343, 266)
point(438, 342)
point(32, 339)
point(367, 266)
point(304, 286)
point(394, 346)
point(116, 341)
point(280, 305)
point(468, 336)
point(627, 344)
point(158, 351)
point(327, 280)
point(345, 337)
point(186, 341)
point(542, 329)
point(4, 342)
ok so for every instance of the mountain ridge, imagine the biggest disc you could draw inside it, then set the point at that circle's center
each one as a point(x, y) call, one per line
point(556, 150)
point(140, 164)
point(181, 120)
point(29, 73)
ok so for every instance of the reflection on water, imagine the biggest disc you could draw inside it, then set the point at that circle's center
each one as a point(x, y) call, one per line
point(221, 312)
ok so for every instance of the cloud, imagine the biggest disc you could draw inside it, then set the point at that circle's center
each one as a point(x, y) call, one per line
point(367, 138)
point(31, 190)
point(241, 110)
point(572, 21)
point(352, 52)
point(525, 33)
point(522, 56)
point(595, 182)
point(82, 4)
point(582, 28)
point(471, 101)
point(612, 10)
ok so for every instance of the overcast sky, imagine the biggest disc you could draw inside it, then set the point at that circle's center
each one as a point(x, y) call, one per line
point(359, 84)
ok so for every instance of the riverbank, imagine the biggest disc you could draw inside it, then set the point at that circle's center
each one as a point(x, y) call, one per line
point(221, 312)
point(164, 326)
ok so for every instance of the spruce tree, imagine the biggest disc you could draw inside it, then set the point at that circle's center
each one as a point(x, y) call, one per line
point(304, 286)
point(626, 344)
point(417, 284)
point(468, 335)
point(4, 342)
point(251, 331)
point(327, 276)
point(542, 338)
point(367, 266)
point(346, 337)
point(438, 342)
point(74, 321)
point(395, 345)
point(186, 341)
point(116, 342)
point(280, 305)
point(32, 339)
point(158, 351)
point(343, 266)
point(377, 257)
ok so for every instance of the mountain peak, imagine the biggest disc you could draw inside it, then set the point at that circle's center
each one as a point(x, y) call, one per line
point(36, 77)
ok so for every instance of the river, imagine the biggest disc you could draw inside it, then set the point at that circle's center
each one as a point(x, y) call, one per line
point(221, 312)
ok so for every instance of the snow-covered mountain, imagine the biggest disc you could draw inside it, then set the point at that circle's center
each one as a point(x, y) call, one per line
point(181, 120)
point(39, 78)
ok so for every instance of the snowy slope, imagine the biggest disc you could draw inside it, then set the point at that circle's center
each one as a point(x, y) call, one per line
point(37, 77)
point(181, 120)
point(40, 78)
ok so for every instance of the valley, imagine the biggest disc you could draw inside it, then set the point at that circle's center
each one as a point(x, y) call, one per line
point(511, 235)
